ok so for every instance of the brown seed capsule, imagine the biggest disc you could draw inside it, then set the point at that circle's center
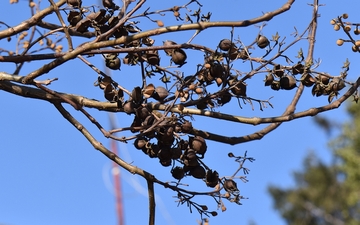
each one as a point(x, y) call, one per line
point(262, 41)
point(198, 144)
point(186, 127)
point(160, 93)
point(269, 79)
point(287, 82)
point(140, 143)
point(179, 57)
point(230, 186)
point(198, 172)
point(129, 108)
point(225, 44)
point(74, 17)
point(169, 43)
point(178, 173)
point(74, 3)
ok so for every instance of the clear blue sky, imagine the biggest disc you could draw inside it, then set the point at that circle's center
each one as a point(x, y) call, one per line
point(50, 174)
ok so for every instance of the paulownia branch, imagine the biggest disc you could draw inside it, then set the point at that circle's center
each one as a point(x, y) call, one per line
point(112, 107)
point(34, 20)
point(34, 57)
point(154, 32)
point(151, 196)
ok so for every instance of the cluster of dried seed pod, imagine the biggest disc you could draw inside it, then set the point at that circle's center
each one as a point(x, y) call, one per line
point(164, 143)
point(277, 79)
point(284, 78)
point(111, 92)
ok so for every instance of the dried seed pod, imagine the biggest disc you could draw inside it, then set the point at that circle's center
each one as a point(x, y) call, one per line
point(142, 113)
point(307, 80)
point(164, 154)
point(216, 70)
point(230, 186)
point(317, 90)
point(74, 3)
point(129, 108)
point(190, 154)
point(102, 82)
point(140, 143)
point(74, 17)
point(147, 41)
point(178, 56)
point(262, 41)
point(113, 64)
point(338, 84)
point(198, 172)
point(287, 82)
point(160, 93)
point(275, 85)
point(298, 69)
point(176, 153)
point(323, 79)
point(149, 90)
point(190, 162)
point(152, 57)
point(109, 4)
point(166, 162)
point(269, 79)
point(224, 98)
point(234, 53)
point(186, 127)
point(278, 71)
point(239, 89)
point(136, 95)
point(211, 178)
point(109, 92)
point(169, 43)
point(198, 144)
point(83, 25)
point(225, 44)
point(178, 173)
point(149, 120)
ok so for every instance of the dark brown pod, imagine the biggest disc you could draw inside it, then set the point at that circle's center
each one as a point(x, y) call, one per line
point(287, 82)
point(262, 41)
point(109, 92)
point(74, 17)
point(230, 186)
point(153, 58)
point(136, 95)
point(178, 173)
point(198, 172)
point(169, 43)
point(225, 44)
point(211, 178)
point(269, 79)
point(198, 144)
point(129, 108)
point(83, 25)
point(149, 90)
point(160, 93)
point(140, 143)
point(74, 3)
point(179, 56)
point(186, 127)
